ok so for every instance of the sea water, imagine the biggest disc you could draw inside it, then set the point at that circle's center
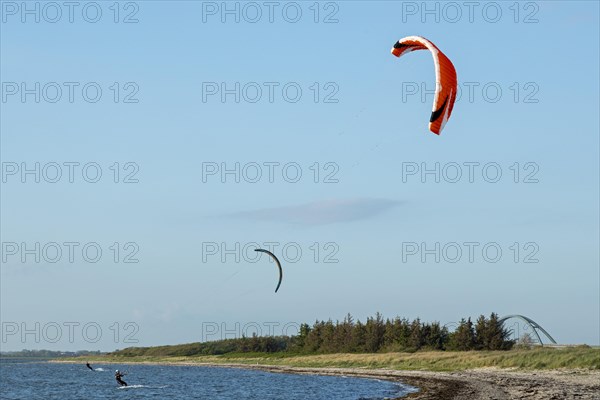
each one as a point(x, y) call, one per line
point(20, 379)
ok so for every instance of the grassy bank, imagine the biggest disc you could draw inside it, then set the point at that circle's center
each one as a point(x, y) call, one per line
point(538, 359)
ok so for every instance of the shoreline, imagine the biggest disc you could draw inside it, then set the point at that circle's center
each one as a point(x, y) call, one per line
point(482, 383)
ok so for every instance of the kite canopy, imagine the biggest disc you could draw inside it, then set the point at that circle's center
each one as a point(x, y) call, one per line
point(445, 76)
point(278, 266)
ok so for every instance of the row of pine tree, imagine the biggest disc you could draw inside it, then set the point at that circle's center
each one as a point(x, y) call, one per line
point(401, 334)
point(349, 336)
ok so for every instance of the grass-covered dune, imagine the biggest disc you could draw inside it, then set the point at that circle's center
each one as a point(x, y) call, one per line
point(393, 344)
point(539, 358)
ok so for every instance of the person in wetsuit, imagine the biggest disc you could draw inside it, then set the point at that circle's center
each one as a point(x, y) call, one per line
point(89, 366)
point(119, 376)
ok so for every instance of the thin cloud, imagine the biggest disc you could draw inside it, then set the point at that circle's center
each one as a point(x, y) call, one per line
point(322, 212)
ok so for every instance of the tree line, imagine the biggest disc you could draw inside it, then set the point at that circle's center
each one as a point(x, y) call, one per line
point(401, 334)
point(350, 336)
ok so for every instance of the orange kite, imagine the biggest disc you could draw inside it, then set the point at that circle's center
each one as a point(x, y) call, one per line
point(445, 75)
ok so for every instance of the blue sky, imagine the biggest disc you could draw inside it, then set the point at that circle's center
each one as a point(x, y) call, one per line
point(360, 131)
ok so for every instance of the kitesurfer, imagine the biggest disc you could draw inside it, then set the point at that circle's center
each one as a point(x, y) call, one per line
point(87, 364)
point(119, 376)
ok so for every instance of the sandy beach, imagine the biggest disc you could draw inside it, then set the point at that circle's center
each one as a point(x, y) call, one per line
point(482, 383)
point(488, 383)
